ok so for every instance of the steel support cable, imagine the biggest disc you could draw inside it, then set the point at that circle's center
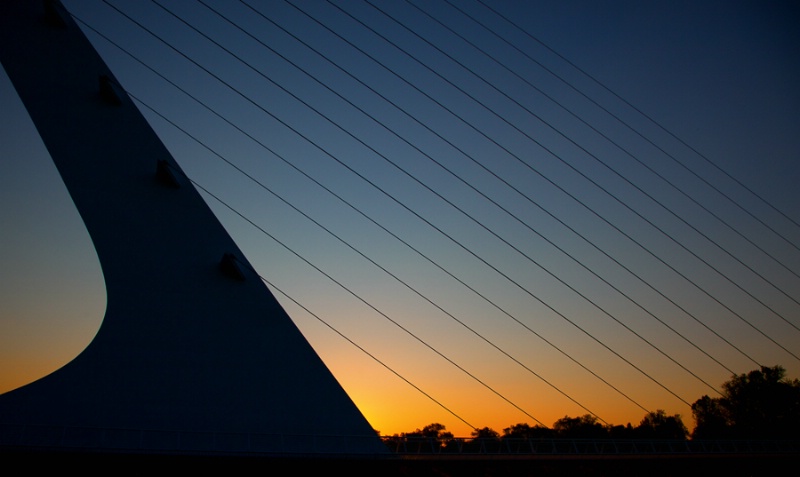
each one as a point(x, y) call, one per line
point(378, 153)
point(621, 121)
point(611, 141)
point(572, 288)
point(755, 328)
point(304, 308)
point(374, 308)
point(512, 187)
point(466, 183)
point(582, 174)
point(354, 208)
point(360, 348)
point(373, 262)
point(289, 297)
point(331, 278)
point(550, 181)
point(401, 204)
point(317, 317)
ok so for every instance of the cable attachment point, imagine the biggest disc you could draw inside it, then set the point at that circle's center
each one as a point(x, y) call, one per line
point(231, 267)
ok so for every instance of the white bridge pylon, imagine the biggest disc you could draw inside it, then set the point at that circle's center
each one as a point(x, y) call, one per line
point(194, 352)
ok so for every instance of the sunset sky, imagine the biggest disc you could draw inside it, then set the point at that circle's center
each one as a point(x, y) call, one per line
point(550, 250)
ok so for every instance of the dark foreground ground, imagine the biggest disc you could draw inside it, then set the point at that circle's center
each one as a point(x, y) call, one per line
point(549, 466)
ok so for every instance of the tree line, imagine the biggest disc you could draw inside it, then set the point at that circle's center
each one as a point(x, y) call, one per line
point(761, 404)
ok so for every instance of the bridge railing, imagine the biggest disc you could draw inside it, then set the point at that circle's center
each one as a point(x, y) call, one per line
point(546, 446)
point(16, 436)
point(167, 441)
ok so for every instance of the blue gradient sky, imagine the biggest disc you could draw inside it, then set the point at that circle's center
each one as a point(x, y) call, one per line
point(722, 76)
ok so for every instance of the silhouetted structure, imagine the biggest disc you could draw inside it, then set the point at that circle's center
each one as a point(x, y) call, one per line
point(761, 404)
point(194, 353)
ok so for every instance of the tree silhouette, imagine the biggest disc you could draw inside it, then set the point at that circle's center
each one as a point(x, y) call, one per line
point(432, 437)
point(658, 425)
point(525, 431)
point(711, 419)
point(584, 427)
point(485, 433)
point(762, 404)
point(621, 432)
point(484, 440)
